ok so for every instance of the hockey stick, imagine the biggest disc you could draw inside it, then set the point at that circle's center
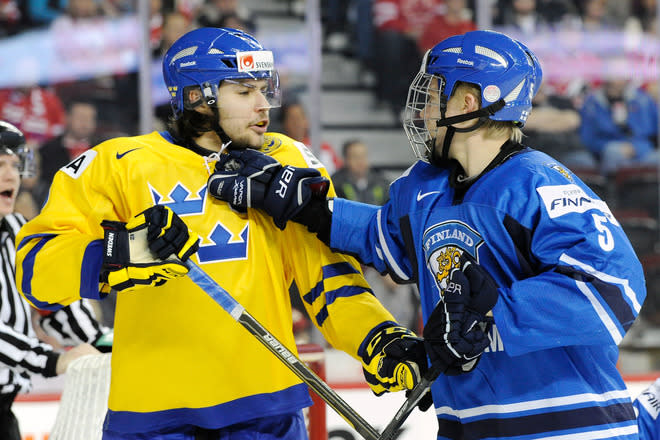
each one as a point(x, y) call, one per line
point(411, 402)
point(240, 315)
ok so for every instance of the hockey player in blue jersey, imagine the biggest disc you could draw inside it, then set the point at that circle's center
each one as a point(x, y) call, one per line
point(569, 284)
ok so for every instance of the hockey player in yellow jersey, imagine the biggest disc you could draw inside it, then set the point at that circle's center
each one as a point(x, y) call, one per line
point(181, 367)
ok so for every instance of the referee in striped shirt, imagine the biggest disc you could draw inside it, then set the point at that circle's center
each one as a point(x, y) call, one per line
point(21, 353)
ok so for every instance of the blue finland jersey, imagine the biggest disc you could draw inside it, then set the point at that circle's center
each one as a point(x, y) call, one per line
point(570, 287)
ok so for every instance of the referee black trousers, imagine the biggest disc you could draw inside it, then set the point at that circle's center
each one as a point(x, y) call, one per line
point(8, 422)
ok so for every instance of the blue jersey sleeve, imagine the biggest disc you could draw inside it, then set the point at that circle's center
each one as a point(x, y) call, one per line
point(590, 285)
point(372, 233)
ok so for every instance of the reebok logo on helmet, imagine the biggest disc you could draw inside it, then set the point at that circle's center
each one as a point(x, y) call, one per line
point(466, 62)
point(255, 61)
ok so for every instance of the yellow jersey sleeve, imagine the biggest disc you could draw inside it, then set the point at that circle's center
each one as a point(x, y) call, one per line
point(63, 245)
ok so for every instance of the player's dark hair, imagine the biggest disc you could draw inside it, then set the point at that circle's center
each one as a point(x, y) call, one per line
point(189, 125)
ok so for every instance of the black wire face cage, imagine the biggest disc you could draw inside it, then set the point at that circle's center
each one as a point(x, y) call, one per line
point(26, 165)
point(424, 107)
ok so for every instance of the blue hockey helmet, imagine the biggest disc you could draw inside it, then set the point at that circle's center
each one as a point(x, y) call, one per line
point(12, 142)
point(501, 66)
point(207, 56)
point(507, 73)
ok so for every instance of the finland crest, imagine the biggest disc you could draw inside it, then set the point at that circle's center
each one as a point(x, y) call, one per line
point(443, 245)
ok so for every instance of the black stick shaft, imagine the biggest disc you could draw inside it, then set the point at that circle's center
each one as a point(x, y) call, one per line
point(411, 402)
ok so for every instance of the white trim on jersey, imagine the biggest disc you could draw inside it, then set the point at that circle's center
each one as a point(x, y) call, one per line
point(532, 405)
point(617, 337)
point(632, 296)
point(383, 244)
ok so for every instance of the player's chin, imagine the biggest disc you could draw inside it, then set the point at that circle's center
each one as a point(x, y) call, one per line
point(252, 140)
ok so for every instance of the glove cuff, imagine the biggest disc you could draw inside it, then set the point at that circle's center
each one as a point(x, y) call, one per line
point(316, 215)
point(115, 246)
point(365, 351)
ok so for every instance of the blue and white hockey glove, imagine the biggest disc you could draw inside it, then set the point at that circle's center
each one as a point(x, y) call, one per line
point(250, 179)
point(147, 251)
point(393, 359)
point(456, 333)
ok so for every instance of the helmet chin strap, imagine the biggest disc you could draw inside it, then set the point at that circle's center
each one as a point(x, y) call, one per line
point(211, 101)
point(482, 114)
point(215, 126)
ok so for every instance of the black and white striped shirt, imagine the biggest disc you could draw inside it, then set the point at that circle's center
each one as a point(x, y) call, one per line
point(21, 353)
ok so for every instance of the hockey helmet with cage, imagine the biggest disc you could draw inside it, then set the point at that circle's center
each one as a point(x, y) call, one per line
point(12, 142)
point(205, 57)
point(507, 73)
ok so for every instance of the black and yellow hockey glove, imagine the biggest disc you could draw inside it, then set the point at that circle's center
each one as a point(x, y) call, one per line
point(394, 359)
point(147, 251)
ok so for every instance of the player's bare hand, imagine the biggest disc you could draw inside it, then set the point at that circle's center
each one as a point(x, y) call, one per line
point(70, 355)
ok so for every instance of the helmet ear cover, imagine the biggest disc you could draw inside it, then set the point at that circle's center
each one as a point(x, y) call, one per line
point(207, 94)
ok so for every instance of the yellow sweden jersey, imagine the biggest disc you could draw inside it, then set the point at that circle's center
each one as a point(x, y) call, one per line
point(178, 358)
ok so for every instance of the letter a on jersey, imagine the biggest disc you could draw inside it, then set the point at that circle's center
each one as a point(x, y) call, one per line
point(75, 168)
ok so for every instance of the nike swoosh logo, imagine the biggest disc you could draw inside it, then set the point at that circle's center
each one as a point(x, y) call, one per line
point(420, 196)
point(119, 156)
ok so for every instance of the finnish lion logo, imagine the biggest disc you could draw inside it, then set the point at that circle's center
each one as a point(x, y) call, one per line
point(443, 245)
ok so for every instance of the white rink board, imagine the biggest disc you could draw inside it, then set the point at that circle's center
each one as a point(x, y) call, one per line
point(37, 418)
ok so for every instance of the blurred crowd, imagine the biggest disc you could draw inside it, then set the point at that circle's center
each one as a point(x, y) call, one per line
point(601, 126)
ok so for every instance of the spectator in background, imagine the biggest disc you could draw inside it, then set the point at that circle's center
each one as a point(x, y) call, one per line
point(620, 125)
point(79, 10)
point(357, 181)
point(619, 11)
point(530, 16)
point(213, 12)
point(335, 23)
point(296, 125)
point(155, 23)
point(36, 111)
point(595, 16)
point(522, 16)
point(175, 24)
point(114, 92)
point(235, 22)
point(13, 17)
point(456, 20)
point(643, 17)
point(554, 128)
point(397, 27)
point(76, 139)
